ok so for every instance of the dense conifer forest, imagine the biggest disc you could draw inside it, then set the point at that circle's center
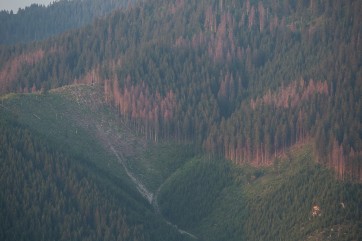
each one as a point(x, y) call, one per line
point(253, 107)
point(69, 203)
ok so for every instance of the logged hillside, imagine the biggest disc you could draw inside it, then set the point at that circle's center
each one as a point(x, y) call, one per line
point(245, 80)
point(38, 22)
point(61, 179)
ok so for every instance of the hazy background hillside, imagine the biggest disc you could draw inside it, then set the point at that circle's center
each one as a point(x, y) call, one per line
point(38, 22)
point(15, 5)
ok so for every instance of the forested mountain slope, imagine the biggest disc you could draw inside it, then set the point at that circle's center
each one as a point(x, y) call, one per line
point(243, 79)
point(39, 22)
point(184, 120)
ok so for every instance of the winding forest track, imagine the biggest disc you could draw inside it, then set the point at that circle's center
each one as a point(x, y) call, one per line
point(149, 196)
point(140, 187)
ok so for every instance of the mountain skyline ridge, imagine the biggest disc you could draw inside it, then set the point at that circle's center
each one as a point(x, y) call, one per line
point(14, 5)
